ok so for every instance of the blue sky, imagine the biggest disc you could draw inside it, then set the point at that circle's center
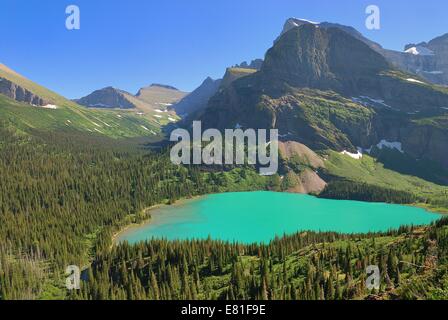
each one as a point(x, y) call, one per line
point(133, 43)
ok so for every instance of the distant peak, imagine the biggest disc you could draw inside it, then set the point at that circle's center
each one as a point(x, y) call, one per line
point(292, 23)
point(163, 86)
point(300, 21)
point(112, 89)
point(208, 80)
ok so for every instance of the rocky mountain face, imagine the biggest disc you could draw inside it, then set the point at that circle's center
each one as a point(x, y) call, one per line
point(427, 60)
point(326, 88)
point(254, 64)
point(192, 106)
point(233, 74)
point(292, 23)
point(314, 57)
point(331, 59)
point(107, 98)
point(199, 98)
point(18, 93)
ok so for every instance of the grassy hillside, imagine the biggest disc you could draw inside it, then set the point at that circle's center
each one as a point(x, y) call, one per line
point(69, 115)
point(372, 172)
point(111, 123)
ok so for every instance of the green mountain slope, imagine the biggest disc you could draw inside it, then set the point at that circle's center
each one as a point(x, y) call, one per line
point(67, 115)
point(372, 172)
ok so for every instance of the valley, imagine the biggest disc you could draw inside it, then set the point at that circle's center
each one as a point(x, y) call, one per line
point(362, 180)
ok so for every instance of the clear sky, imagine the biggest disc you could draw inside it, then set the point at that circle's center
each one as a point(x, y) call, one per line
point(133, 43)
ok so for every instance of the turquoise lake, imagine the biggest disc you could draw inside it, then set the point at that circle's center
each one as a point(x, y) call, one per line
point(261, 216)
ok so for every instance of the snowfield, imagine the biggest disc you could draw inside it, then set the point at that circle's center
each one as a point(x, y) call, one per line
point(356, 156)
point(414, 80)
point(50, 106)
point(420, 51)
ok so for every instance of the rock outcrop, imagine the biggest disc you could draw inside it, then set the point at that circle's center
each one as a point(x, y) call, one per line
point(18, 93)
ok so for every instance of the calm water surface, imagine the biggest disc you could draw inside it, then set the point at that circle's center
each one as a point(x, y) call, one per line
point(260, 216)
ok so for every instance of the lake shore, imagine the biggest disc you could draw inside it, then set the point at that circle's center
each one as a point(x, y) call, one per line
point(131, 228)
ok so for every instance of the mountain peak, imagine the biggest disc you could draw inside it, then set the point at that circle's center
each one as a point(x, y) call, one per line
point(108, 97)
point(160, 95)
point(164, 86)
point(323, 58)
point(297, 22)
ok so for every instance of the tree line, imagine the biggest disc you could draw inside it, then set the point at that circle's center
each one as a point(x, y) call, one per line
point(305, 266)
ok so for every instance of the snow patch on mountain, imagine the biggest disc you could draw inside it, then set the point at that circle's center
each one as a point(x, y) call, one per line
point(414, 80)
point(297, 21)
point(356, 156)
point(50, 106)
point(420, 51)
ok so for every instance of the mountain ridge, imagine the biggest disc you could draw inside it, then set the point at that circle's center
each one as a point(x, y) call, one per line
point(329, 90)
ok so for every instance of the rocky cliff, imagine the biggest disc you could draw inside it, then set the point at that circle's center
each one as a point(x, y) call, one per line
point(18, 93)
point(427, 60)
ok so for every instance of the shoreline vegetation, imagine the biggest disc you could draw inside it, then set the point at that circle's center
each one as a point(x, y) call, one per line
point(301, 266)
